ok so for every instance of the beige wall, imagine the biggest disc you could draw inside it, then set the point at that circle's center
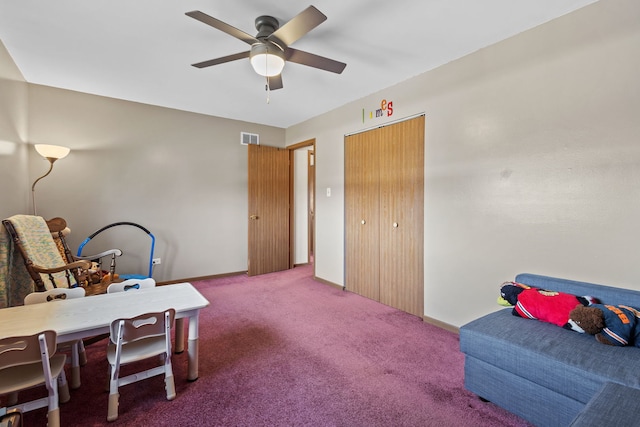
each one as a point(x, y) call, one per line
point(181, 175)
point(14, 186)
point(532, 161)
point(531, 165)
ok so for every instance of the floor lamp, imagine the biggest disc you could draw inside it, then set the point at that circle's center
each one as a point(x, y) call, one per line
point(51, 153)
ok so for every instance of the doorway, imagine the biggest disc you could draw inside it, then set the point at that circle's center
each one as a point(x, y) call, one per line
point(311, 202)
point(303, 202)
point(289, 204)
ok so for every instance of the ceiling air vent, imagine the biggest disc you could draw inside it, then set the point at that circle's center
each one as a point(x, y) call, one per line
point(249, 138)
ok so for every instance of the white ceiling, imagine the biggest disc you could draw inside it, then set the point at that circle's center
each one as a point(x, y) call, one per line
point(141, 50)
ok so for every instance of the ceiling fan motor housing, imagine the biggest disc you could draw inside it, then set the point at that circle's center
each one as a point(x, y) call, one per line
point(266, 25)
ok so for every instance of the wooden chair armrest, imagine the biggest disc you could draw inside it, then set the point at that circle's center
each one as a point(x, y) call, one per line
point(116, 252)
point(82, 264)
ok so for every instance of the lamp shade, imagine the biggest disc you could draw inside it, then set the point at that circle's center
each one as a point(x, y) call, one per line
point(267, 60)
point(52, 151)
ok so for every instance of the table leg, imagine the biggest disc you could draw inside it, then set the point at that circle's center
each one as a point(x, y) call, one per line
point(179, 344)
point(193, 347)
point(75, 365)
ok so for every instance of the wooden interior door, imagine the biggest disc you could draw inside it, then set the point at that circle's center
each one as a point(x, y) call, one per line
point(402, 216)
point(269, 206)
point(362, 213)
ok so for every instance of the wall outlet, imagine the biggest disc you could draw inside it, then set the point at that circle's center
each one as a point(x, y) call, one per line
point(156, 261)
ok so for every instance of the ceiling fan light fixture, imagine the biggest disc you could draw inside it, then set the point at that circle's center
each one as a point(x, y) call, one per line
point(266, 60)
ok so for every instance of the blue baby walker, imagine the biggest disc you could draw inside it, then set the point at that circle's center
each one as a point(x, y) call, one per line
point(153, 243)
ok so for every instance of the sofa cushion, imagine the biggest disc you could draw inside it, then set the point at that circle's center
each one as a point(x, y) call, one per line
point(614, 405)
point(564, 361)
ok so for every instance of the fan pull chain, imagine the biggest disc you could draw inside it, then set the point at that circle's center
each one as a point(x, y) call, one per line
point(267, 87)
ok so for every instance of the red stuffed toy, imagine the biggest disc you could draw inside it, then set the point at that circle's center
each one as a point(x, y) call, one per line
point(546, 306)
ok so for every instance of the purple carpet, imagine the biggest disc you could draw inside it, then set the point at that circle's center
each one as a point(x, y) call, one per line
point(284, 350)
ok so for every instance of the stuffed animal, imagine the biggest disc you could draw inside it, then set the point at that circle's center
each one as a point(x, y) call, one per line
point(107, 279)
point(101, 276)
point(617, 325)
point(95, 272)
point(546, 306)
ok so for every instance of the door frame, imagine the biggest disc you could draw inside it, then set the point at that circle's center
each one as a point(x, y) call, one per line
point(292, 148)
point(311, 203)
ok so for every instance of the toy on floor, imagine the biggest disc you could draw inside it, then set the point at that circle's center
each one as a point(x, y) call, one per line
point(611, 324)
point(546, 306)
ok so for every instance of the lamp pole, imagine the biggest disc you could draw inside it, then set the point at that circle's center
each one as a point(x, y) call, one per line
point(51, 153)
point(33, 187)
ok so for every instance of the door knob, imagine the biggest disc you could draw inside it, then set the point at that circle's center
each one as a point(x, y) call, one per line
point(363, 222)
point(254, 217)
point(395, 225)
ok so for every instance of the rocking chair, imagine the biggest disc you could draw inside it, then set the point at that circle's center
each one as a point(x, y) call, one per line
point(49, 261)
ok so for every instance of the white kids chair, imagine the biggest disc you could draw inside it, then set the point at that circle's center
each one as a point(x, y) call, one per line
point(139, 284)
point(75, 348)
point(29, 361)
point(133, 339)
point(131, 284)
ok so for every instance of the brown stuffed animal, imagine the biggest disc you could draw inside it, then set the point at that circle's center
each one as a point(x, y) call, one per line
point(589, 319)
point(611, 324)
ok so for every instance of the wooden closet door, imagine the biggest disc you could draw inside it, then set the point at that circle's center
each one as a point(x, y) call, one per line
point(402, 216)
point(362, 213)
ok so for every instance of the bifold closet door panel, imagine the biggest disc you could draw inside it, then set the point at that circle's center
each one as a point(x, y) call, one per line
point(362, 214)
point(402, 216)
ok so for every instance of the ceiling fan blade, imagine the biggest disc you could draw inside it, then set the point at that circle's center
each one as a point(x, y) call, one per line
point(315, 61)
point(299, 25)
point(275, 82)
point(221, 60)
point(222, 26)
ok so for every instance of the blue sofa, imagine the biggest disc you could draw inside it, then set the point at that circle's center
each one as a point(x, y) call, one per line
point(539, 371)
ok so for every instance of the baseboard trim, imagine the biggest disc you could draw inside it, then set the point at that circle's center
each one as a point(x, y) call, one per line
point(215, 276)
point(302, 264)
point(326, 282)
point(441, 324)
point(197, 279)
point(426, 319)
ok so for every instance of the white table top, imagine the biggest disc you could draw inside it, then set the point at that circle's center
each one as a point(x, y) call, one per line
point(81, 317)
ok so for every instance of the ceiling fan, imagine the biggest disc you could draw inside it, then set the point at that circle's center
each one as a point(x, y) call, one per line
point(270, 47)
